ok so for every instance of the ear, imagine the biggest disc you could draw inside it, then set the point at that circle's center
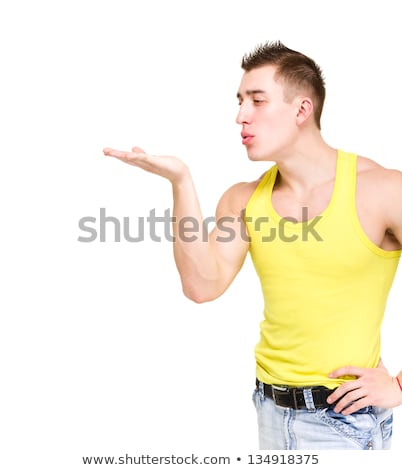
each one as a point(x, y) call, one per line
point(304, 110)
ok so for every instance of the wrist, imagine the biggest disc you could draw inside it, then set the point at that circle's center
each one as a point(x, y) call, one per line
point(181, 176)
point(398, 381)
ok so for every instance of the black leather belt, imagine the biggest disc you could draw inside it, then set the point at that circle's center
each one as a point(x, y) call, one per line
point(294, 397)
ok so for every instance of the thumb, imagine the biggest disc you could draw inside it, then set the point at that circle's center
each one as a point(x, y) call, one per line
point(347, 371)
point(137, 150)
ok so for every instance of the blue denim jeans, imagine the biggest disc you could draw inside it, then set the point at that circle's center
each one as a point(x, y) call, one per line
point(287, 429)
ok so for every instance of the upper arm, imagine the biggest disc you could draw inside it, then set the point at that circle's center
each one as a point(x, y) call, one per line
point(229, 239)
point(379, 203)
point(394, 203)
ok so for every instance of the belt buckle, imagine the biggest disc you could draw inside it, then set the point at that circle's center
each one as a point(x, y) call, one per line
point(292, 393)
point(281, 388)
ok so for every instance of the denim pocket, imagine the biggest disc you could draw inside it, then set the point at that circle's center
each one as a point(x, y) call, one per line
point(258, 398)
point(386, 428)
point(254, 398)
point(357, 427)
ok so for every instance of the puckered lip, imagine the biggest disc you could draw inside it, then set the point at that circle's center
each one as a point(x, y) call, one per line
point(246, 134)
point(246, 138)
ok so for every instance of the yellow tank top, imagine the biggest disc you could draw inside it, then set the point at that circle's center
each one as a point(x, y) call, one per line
point(325, 286)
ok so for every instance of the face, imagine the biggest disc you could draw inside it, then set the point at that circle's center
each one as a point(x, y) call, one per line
point(268, 122)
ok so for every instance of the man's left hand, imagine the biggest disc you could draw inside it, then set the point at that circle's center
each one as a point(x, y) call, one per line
point(373, 387)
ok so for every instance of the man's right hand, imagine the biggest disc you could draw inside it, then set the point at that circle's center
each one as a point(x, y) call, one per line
point(207, 264)
point(171, 168)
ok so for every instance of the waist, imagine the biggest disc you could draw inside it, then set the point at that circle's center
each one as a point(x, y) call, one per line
point(298, 398)
point(288, 354)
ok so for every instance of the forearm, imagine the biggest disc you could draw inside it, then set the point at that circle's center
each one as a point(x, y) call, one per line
point(398, 379)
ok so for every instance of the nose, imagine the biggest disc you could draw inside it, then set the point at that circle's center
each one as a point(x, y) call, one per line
point(244, 114)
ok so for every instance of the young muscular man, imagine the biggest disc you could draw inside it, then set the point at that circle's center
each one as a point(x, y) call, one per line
point(324, 230)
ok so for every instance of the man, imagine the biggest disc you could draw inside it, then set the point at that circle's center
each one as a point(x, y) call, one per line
point(324, 230)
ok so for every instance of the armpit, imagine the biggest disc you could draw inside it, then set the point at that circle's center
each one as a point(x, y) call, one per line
point(391, 238)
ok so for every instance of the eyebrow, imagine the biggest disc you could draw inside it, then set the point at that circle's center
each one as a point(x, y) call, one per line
point(250, 93)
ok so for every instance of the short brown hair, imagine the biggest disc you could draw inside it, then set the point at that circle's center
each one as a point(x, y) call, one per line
point(297, 72)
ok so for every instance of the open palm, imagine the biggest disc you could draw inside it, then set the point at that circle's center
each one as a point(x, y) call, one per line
point(169, 167)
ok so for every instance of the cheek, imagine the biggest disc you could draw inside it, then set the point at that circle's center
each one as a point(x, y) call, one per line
point(284, 124)
point(278, 127)
point(278, 122)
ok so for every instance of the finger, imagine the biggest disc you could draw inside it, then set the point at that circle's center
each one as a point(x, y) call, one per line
point(125, 156)
point(349, 400)
point(342, 390)
point(353, 407)
point(114, 152)
point(348, 370)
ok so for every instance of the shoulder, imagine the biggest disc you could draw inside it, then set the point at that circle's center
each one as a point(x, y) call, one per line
point(380, 190)
point(375, 176)
point(236, 197)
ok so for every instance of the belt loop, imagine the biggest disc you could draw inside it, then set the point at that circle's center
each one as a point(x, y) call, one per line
point(308, 398)
point(261, 390)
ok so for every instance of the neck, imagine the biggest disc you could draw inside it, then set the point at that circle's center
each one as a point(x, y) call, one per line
point(309, 163)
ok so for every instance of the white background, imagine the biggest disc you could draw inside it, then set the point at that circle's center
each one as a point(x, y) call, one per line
point(101, 354)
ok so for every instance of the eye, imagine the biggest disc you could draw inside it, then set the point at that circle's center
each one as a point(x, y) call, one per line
point(256, 101)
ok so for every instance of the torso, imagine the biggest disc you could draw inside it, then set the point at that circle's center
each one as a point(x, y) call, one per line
point(371, 178)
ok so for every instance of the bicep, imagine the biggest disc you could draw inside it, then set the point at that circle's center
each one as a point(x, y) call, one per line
point(229, 238)
point(394, 205)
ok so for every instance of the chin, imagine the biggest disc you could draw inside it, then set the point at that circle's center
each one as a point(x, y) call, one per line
point(259, 157)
